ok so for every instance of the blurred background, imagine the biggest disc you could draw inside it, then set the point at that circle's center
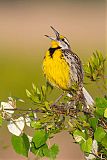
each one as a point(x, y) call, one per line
point(23, 25)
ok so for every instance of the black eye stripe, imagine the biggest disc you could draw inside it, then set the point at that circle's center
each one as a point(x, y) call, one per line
point(65, 42)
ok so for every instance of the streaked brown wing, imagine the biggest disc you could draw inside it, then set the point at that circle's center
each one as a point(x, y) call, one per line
point(75, 66)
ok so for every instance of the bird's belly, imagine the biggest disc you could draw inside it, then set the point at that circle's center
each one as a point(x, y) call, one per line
point(57, 72)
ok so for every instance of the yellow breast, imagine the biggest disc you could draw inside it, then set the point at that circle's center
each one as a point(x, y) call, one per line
point(56, 70)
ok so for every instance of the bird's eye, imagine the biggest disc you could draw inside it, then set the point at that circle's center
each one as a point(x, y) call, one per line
point(62, 39)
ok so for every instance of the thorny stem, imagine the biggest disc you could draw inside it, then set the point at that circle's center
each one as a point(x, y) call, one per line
point(58, 109)
point(58, 99)
point(27, 110)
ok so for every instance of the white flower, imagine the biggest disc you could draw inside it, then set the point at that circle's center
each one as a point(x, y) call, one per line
point(35, 115)
point(95, 147)
point(28, 119)
point(90, 157)
point(30, 138)
point(16, 126)
point(7, 108)
point(69, 95)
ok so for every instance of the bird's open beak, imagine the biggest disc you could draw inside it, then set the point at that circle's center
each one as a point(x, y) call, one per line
point(56, 33)
point(50, 37)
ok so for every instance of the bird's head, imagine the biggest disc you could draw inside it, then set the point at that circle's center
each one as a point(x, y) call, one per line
point(59, 41)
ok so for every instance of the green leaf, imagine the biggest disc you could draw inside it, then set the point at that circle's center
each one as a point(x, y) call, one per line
point(104, 141)
point(93, 122)
point(34, 87)
point(49, 87)
point(35, 98)
point(86, 146)
point(52, 152)
point(21, 144)
point(38, 91)
point(94, 76)
point(105, 113)
point(40, 138)
point(43, 89)
point(94, 69)
point(1, 120)
point(99, 134)
point(101, 105)
point(28, 93)
point(34, 95)
point(47, 105)
point(39, 152)
point(79, 135)
point(36, 125)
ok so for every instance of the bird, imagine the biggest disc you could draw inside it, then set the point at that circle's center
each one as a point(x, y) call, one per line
point(63, 68)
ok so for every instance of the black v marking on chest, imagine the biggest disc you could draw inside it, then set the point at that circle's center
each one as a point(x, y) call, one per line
point(52, 50)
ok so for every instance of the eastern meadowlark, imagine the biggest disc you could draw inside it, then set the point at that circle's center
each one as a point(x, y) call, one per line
point(63, 68)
